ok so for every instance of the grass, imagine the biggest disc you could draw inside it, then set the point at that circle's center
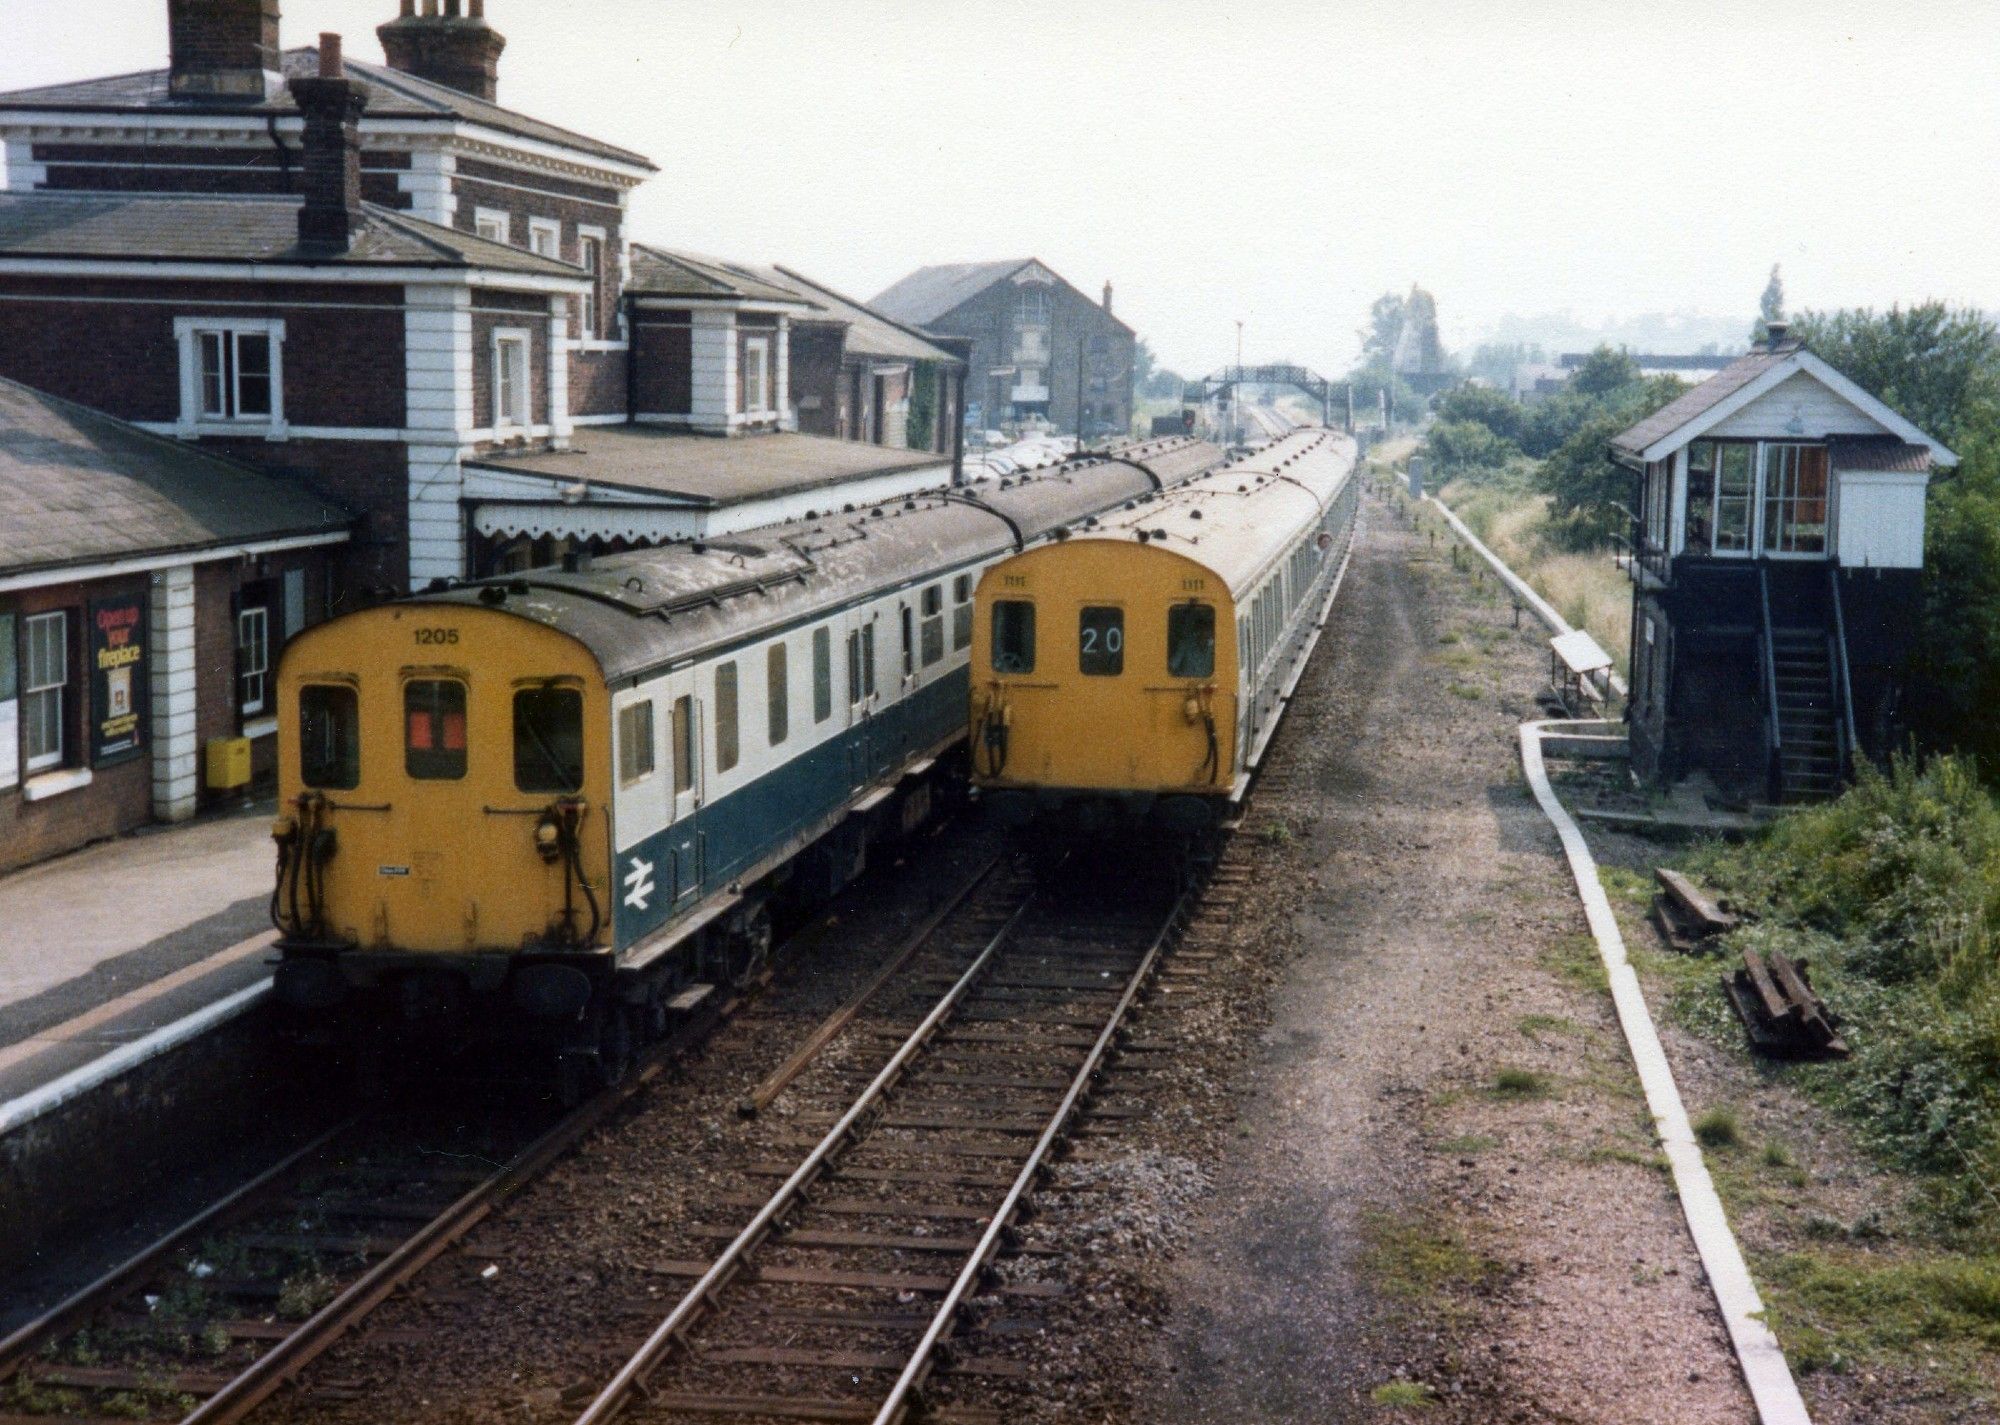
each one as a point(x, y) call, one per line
point(1403, 1392)
point(1587, 589)
point(1841, 1305)
point(1468, 1144)
point(1516, 1083)
point(1718, 1129)
point(1416, 1259)
point(1534, 1026)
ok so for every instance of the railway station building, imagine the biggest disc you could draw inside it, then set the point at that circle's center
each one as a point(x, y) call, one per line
point(381, 285)
point(1038, 347)
point(145, 588)
point(1776, 569)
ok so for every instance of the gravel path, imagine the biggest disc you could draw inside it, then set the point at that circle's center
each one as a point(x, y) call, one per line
point(1443, 1184)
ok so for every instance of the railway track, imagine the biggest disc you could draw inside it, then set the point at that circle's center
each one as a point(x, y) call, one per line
point(881, 1267)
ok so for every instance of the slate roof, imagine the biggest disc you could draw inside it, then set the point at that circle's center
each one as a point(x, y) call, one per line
point(1886, 453)
point(391, 94)
point(1690, 404)
point(658, 272)
point(708, 472)
point(237, 228)
point(930, 292)
point(869, 333)
point(81, 487)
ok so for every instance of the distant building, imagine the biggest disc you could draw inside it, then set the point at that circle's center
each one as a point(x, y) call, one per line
point(1778, 558)
point(1038, 346)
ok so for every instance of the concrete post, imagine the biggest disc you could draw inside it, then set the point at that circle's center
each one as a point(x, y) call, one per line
point(170, 640)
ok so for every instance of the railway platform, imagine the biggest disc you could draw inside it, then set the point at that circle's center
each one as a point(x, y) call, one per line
point(109, 950)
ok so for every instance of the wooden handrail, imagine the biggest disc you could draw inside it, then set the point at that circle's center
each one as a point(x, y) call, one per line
point(1846, 683)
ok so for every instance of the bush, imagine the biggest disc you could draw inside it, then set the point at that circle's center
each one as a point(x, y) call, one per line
point(1496, 410)
point(1457, 446)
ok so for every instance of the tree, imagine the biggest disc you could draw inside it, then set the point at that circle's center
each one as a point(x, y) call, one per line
point(1385, 325)
point(1590, 497)
point(1143, 362)
point(1456, 446)
point(1935, 365)
point(1498, 412)
point(1603, 372)
point(1770, 308)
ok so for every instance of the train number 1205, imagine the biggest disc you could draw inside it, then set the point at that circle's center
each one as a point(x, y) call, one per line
point(437, 635)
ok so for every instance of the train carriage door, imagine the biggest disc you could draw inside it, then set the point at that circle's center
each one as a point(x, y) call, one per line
point(685, 768)
point(859, 688)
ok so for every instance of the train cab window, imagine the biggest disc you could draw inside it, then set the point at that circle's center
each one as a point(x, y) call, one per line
point(1191, 641)
point(635, 743)
point(683, 743)
point(548, 739)
point(777, 702)
point(329, 737)
point(1013, 636)
point(725, 717)
point(822, 674)
point(434, 729)
point(961, 613)
point(1100, 639)
point(931, 633)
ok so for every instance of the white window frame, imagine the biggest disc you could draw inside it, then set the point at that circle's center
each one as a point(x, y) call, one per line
point(194, 421)
point(757, 358)
point(57, 691)
point(253, 672)
point(1768, 459)
point(547, 230)
point(498, 219)
point(589, 318)
point(522, 419)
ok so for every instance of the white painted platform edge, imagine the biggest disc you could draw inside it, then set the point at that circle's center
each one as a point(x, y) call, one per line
point(85, 1077)
point(1765, 1370)
point(1539, 606)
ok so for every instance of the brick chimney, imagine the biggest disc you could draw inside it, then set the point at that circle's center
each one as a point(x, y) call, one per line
point(1107, 299)
point(330, 163)
point(223, 49)
point(458, 50)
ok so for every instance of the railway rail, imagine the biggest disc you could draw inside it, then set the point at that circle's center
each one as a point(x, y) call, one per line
point(912, 1193)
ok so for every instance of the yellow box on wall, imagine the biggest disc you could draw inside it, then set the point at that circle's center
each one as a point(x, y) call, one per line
point(228, 763)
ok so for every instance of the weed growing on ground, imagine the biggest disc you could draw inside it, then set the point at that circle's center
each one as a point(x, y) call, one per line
point(1403, 1392)
point(1468, 1144)
point(1842, 1305)
point(1418, 1260)
point(1718, 1128)
point(1537, 1025)
point(1465, 691)
point(1516, 1083)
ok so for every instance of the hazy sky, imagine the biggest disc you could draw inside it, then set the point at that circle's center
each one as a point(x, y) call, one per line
point(1282, 163)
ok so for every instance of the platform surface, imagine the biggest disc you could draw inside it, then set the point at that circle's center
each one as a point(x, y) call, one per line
point(111, 943)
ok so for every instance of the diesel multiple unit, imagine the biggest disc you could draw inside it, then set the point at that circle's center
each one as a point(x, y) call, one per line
point(576, 796)
point(1134, 667)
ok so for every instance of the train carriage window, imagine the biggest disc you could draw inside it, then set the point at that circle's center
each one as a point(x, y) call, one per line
point(854, 693)
point(822, 674)
point(961, 613)
point(725, 717)
point(868, 660)
point(1100, 637)
point(548, 739)
point(329, 737)
point(1013, 636)
point(434, 729)
point(777, 704)
point(931, 634)
point(636, 758)
point(683, 743)
point(1191, 641)
point(909, 643)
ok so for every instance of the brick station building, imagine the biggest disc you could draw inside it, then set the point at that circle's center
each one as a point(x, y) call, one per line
point(145, 587)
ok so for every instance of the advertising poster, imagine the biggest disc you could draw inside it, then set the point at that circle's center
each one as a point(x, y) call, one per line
point(117, 678)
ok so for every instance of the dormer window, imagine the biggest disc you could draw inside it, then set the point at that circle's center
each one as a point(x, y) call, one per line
point(231, 374)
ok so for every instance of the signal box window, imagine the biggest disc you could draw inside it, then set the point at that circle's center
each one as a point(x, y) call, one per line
point(1191, 641)
point(822, 674)
point(1013, 636)
point(548, 739)
point(683, 744)
point(725, 717)
point(434, 729)
point(635, 742)
point(1101, 641)
point(329, 737)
